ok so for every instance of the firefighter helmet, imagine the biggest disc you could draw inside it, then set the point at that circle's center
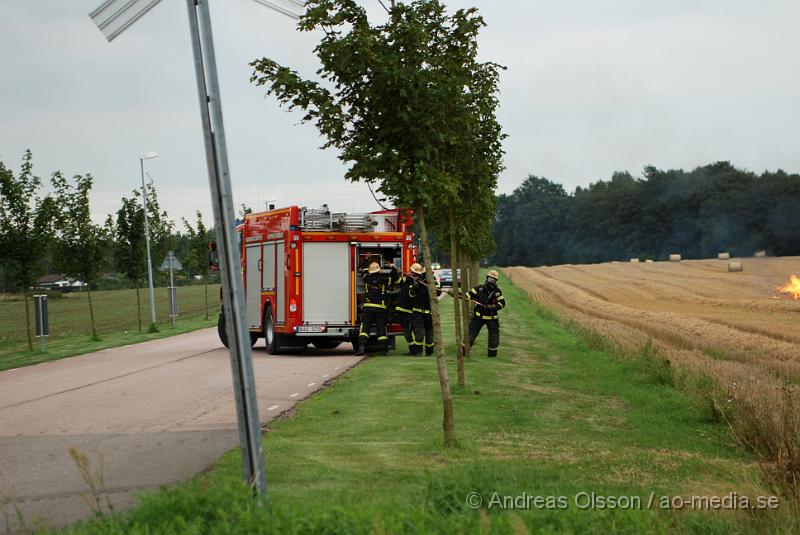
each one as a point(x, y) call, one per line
point(374, 267)
point(493, 274)
point(418, 269)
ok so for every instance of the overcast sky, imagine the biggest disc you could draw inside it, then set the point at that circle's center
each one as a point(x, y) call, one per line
point(592, 86)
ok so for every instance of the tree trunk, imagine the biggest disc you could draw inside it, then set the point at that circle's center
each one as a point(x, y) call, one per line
point(466, 284)
point(205, 289)
point(138, 306)
point(454, 264)
point(447, 399)
point(91, 309)
point(28, 321)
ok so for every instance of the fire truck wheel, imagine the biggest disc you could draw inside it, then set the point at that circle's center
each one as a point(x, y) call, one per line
point(271, 339)
point(326, 344)
point(221, 331)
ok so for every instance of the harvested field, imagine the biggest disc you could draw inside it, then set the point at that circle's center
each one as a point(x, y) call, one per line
point(694, 306)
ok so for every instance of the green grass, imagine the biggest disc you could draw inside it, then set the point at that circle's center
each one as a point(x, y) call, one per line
point(556, 415)
point(115, 315)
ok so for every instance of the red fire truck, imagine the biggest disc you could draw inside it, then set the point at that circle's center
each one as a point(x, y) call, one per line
point(302, 272)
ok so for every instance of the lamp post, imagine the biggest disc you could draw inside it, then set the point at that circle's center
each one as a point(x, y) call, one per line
point(142, 158)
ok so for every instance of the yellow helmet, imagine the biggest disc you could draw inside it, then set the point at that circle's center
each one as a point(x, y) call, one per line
point(374, 267)
point(493, 274)
point(417, 268)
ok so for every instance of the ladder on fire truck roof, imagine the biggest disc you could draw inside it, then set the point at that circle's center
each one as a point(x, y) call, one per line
point(322, 219)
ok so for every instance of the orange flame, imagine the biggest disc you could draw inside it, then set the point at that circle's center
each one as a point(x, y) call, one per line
point(792, 288)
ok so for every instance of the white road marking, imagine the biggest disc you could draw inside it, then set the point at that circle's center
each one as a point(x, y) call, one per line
point(294, 395)
point(311, 384)
point(272, 408)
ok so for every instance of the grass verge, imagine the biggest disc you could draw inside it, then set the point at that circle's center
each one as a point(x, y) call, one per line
point(557, 416)
point(115, 313)
point(70, 346)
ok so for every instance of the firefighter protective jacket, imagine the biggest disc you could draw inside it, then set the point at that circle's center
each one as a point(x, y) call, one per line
point(405, 302)
point(488, 300)
point(375, 287)
point(419, 293)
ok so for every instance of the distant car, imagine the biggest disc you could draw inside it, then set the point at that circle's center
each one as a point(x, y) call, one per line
point(444, 278)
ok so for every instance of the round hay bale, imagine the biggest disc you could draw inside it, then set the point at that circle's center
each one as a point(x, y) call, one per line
point(724, 256)
point(648, 261)
point(674, 258)
point(760, 254)
point(634, 260)
point(735, 266)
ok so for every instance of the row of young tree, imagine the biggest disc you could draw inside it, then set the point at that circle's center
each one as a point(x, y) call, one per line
point(50, 229)
point(411, 110)
point(698, 213)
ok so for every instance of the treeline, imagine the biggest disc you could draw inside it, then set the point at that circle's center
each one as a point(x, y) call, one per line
point(698, 214)
point(49, 229)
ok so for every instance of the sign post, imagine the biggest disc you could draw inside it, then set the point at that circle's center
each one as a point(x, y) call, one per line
point(42, 322)
point(113, 17)
point(171, 263)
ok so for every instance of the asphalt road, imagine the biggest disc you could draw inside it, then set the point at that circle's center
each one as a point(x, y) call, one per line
point(150, 414)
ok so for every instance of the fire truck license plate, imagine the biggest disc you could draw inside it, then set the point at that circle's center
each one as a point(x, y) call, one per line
point(311, 329)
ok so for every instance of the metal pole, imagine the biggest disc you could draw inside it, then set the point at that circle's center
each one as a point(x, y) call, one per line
point(147, 245)
point(173, 307)
point(224, 219)
point(40, 310)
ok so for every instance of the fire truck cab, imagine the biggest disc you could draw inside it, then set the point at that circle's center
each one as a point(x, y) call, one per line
point(302, 272)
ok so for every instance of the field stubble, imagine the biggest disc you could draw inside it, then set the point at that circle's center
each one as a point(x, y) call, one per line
point(735, 329)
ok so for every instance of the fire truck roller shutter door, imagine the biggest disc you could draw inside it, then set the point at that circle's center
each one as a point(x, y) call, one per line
point(280, 283)
point(268, 278)
point(326, 282)
point(253, 282)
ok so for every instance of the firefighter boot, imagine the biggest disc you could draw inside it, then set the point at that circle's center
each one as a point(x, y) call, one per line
point(362, 347)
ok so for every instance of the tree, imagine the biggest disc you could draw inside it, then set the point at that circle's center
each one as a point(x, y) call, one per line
point(162, 236)
point(197, 252)
point(129, 252)
point(399, 108)
point(81, 245)
point(26, 229)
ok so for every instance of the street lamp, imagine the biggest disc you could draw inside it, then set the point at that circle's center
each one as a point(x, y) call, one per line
point(142, 158)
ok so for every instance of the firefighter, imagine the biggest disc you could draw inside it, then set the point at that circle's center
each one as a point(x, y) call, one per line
point(422, 322)
point(376, 285)
point(488, 298)
point(405, 303)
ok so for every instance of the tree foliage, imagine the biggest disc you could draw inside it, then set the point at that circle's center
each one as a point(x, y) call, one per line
point(408, 95)
point(81, 244)
point(696, 213)
point(26, 228)
point(196, 262)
